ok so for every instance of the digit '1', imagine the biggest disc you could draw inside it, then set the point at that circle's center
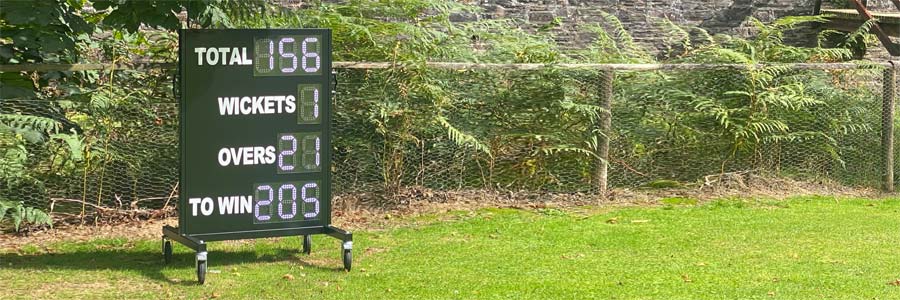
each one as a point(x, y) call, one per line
point(310, 109)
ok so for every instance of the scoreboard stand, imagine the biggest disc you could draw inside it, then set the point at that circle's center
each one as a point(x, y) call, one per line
point(199, 246)
point(255, 111)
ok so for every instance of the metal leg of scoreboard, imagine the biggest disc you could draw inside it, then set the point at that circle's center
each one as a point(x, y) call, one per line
point(346, 244)
point(171, 234)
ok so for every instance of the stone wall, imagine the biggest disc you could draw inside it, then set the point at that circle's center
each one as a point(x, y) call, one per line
point(642, 17)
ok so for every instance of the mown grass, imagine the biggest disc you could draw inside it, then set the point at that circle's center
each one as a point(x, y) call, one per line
point(801, 248)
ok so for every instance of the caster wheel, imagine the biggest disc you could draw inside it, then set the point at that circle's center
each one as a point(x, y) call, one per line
point(348, 259)
point(201, 272)
point(167, 251)
point(201, 267)
point(307, 244)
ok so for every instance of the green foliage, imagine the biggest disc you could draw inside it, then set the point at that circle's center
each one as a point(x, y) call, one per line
point(59, 128)
point(22, 135)
point(663, 184)
point(461, 138)
point(22, 217)
point(535, 130)
point(744, 119)
point(55, 31)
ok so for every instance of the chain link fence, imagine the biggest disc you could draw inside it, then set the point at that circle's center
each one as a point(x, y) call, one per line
point(547, 130)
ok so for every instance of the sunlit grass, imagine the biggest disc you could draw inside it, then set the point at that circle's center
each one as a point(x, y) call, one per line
point(802, 248)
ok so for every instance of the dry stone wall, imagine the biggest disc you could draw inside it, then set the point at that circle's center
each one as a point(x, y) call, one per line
point(642, 17)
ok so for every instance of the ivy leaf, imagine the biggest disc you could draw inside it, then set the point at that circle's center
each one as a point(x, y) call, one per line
point(74, 143)
point(27, 12)
point(15, 85)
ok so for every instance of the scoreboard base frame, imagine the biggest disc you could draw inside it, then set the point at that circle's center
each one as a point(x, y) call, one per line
point(198, 242)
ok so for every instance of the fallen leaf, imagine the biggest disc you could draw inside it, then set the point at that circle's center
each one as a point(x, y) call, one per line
point(214, 295)
point(614, 220)
point(288, 276)
point(771, 294)
point(685, 278)
point(895, 282)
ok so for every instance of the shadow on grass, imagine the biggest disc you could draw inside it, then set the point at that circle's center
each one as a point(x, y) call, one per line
point(149, 264)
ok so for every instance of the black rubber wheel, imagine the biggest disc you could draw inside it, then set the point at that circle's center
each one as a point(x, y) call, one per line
point(348, 259)
point(307, 244)
point(201, 271)
point(167, 251)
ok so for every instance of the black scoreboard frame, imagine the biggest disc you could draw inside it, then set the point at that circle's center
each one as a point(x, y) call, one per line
point(192, 231)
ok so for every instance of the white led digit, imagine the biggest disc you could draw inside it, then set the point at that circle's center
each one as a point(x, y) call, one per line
point(311, 163)
point(291, 55)
point(314, 200)
point(308, 54)
point(282, 200)
point(315, 103)
point(309, 110)
point(266, 55)
point(281, 165)
point(259, 203)
point(271, 55)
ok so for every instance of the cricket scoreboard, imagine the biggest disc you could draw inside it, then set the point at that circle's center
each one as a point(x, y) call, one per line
point(255, 140)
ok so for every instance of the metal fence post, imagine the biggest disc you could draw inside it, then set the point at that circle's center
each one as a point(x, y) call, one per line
point(606, 94)
point(887, 125)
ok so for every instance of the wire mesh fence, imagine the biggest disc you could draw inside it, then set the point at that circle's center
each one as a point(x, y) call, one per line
point(807, 124)
point(539, 130)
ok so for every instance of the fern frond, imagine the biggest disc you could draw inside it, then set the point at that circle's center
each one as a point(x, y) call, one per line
point(791, 22)
point(462, 138)
point(37, 123)
point(621, 32)
point(676, 35)
point(587, 110)
point(860, 32)
point(704, 35)
point(568, 149)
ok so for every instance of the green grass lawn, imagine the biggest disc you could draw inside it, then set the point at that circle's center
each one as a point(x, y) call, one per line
point(801, 248)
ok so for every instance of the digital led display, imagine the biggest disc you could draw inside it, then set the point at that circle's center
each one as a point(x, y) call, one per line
point(255, 131)
point(287, 55)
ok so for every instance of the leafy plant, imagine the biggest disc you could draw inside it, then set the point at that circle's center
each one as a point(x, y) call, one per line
point(24, 218)
point(97, 137)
